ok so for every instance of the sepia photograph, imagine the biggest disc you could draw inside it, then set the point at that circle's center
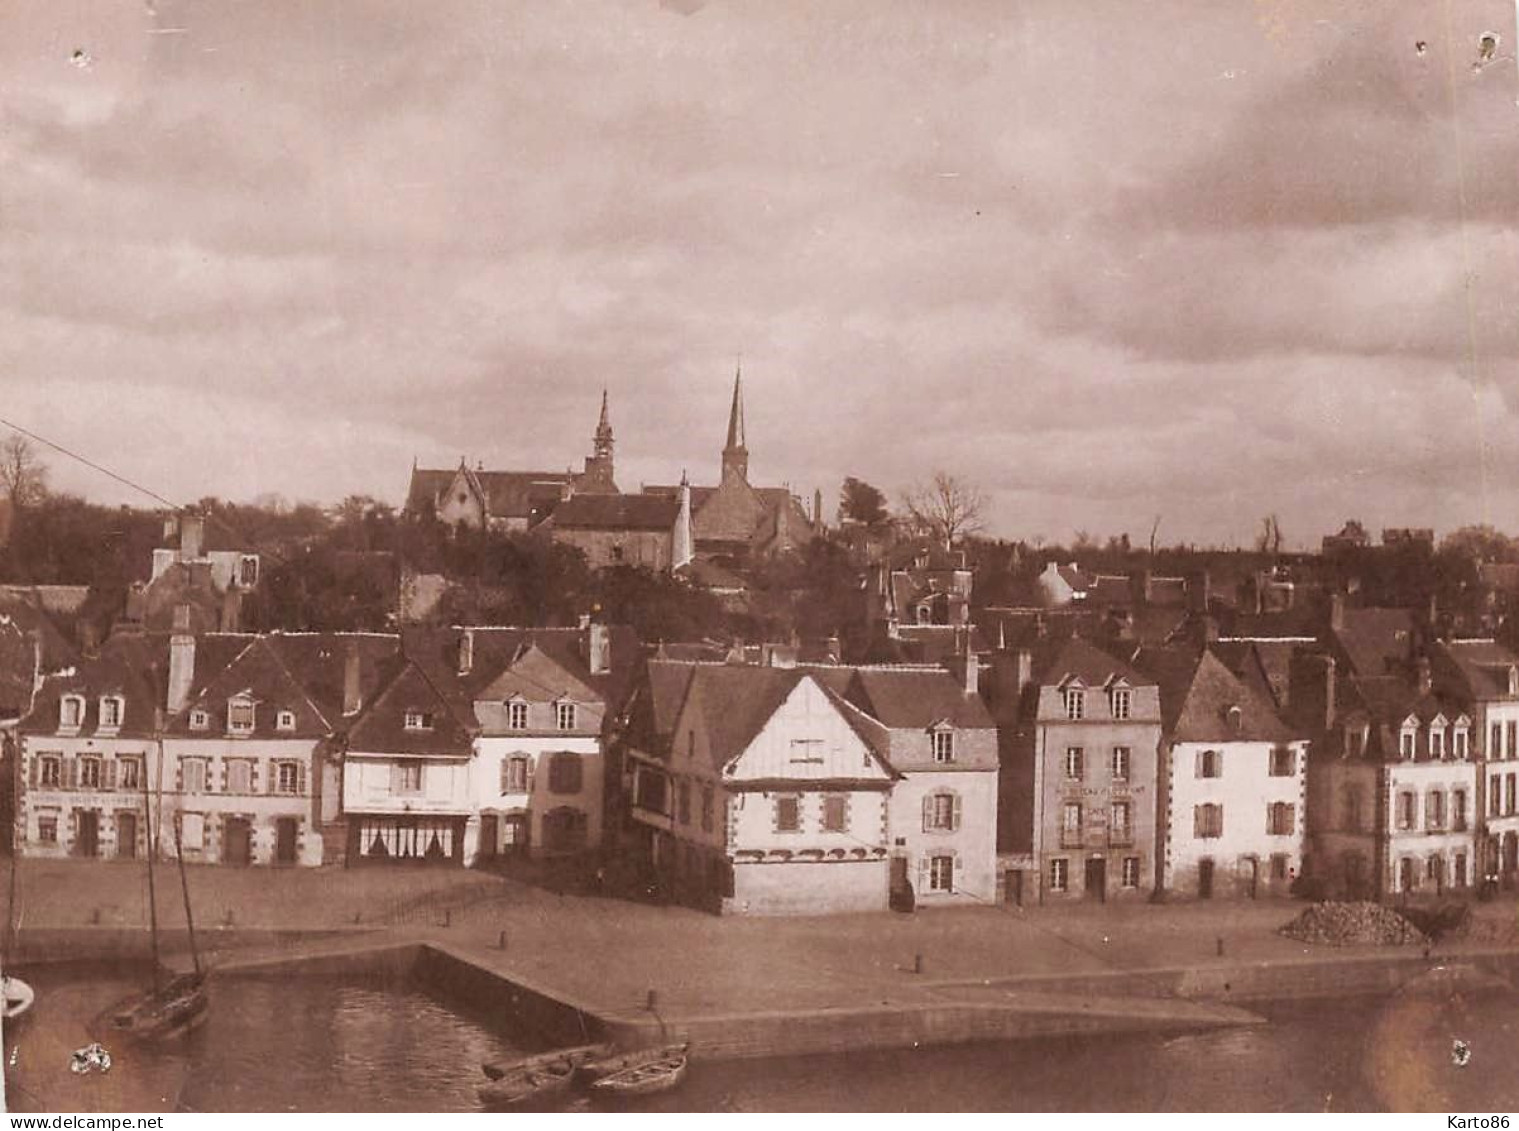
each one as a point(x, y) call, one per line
point(640, 557)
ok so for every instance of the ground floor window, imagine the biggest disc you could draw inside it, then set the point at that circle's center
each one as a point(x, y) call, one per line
point(1460, 869)
point(564, 830)
point(941, 873)
point(1060, 875)
point(47, 828)
point(1131, 871)
point(1279, 866)
point(403, 838)
point(1408, 874)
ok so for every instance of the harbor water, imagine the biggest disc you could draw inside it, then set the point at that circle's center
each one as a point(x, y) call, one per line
point(318, 1044)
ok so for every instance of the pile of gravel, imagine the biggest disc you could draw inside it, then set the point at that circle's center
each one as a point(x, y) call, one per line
point(1353, 924)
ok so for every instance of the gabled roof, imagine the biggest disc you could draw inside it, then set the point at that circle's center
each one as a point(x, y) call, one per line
point(1198, 694)
point(260, 673)
point(507, 494)
point(381, 727)
point(1479, 668)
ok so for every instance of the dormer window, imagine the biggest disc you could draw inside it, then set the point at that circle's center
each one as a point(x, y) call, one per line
point(418, 720)
point(1123, 701)
point(1075, 703)
point(240, 715)
point(1461, 739)
point(1436, 740)
point(200, 719)
point(925, 613)
point(944, 744)
point(1236, 719)
point(70, 712)
point(1408, 739)
point(247, 571)
point(516, 715)
point(285, 720)
point(112, 708)
point(564, 715)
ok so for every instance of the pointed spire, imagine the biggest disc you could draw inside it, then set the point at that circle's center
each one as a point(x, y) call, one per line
point(736, 414)
point(604, 424)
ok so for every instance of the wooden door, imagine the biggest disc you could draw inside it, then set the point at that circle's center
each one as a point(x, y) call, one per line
point(89, 832)
point(490, 835)
point(285, 830)
point(1205, 879)
point(126, 835)
point(1097, 878)
point(237, 841)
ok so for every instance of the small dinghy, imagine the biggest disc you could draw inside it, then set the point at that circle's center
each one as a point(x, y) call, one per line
point(573, 1057)
point(645, 1079)
point(597, 1069)
point(18, 997)
point(531, 1087)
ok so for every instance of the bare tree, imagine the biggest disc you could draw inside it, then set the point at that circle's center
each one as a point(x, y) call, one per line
point(946, 506)
point(1269, 540)
point(23, 475)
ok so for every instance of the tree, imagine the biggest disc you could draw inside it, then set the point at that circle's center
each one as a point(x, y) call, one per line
point(861, 502)
point(1479, 543)
point(23, 475)
point(1269, 540)
point(947, 507)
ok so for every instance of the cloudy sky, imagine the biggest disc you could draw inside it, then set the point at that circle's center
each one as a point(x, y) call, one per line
point(1110, 261)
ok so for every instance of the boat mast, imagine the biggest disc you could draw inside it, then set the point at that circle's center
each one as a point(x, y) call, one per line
point(147, 803)
point(184, 885)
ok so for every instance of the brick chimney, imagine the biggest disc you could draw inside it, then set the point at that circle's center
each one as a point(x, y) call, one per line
point(466, 651)
point(1311, 680)
point(353, 696)
point(232, 610)
point(181, 662)
point(1337, 611)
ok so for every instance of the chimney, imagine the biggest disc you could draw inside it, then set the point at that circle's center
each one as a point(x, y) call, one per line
point(966, 664)
point(1336, 611)
point(89, 638)
point(835, 649)
point(598, 648)
point(1023, 670)
point(466, 651)
point(1203, 592)
point(192, 537)
point(181, 662)
point(353, 697)
point(681, 544)
point(1425, 676)
point(1311, 691)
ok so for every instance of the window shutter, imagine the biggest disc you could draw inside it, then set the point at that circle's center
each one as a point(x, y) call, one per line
point(272, 785)
point(924, 864)
point(1197, 822)
point(225, 768)
point(300, 778)
point(954, 820)
point(179, 775)
point(110, 774)
point(252, 775)
point(395, 777)
point(532, 772)
point(73, 773)
point(1291, 820)
point(506, 774)
point(1218, 820)
point(1199, 763)
point(928, 812)
point(32, 769)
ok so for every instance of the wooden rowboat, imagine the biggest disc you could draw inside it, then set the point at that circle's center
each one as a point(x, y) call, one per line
point(573, 1057)
point(529, 1088)
point(175, 1009)
point(643, 1079)
point(596, 1069)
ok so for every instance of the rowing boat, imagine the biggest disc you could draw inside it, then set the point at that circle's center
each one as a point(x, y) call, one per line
point(596, 1069)
point(573, 1057)
point(528, 1088)
point(644, 1079)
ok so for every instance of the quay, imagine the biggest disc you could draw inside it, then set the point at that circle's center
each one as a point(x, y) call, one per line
point(567, 967)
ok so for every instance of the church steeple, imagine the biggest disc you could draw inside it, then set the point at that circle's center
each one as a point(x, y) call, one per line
point(603, 448)
point(598, 465)
point(735, 454)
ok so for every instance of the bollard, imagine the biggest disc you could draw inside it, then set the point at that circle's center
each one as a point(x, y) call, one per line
point(917, 963)
point(653, 1001)
point(1220, 946)
point(501, 942)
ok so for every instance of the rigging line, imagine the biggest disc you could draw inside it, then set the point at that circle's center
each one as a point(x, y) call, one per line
point(1466, 256)
point(91, 464)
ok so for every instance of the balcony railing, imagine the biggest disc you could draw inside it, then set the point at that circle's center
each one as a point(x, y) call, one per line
point(1120, 838)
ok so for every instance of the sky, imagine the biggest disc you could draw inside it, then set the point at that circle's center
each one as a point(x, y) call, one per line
point(1117, 264)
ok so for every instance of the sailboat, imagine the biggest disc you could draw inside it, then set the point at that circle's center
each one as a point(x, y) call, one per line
point(167, 1009)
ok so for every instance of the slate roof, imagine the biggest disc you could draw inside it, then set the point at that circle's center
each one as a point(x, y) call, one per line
point(1197, 692)
point(508, 494)
point(381, 727)
point(1373, 638)
point(1479, 668)
point(915, 699)
point(616, 512)
point(1083, 659)
point(130, 665)
point(1390, 699)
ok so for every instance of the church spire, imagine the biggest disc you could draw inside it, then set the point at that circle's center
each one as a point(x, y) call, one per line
point(603, 447)
point(598, 465)
point(735, 454)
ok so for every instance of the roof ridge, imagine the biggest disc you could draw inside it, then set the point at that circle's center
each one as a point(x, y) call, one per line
point(299, 683)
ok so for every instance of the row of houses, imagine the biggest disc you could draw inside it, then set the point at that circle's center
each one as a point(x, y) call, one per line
point(1372, 758)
